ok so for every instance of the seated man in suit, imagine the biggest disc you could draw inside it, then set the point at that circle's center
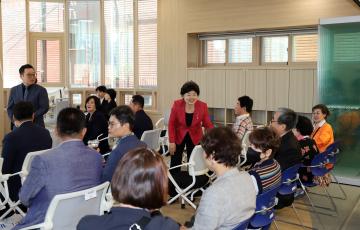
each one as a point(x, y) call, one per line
point(289, 153)
point(69, 167)
point(27, 137)
point(121, 124)
point(142, 120)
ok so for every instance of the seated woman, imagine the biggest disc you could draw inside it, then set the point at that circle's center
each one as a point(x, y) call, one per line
point(308, 147)
point(231, 197)
point(138, 187)
point(323, 134)
point(96, 124)
point(267, 172)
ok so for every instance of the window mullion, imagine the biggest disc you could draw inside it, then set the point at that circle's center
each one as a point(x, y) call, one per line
point(136, 46)
point(102, 44)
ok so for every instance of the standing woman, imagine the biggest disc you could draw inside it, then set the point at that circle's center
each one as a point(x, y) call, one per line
point(96, 124)
point(323, 134)
point(187, 117)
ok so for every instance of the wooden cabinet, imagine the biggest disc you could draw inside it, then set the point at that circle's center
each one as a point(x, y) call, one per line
point(270, 88)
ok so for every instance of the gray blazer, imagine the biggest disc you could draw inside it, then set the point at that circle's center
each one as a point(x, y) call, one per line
point(230, 200)
point(69, 167)
point(37, 95)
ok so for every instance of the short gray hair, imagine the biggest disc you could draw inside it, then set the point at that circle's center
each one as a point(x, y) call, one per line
point(287, 117)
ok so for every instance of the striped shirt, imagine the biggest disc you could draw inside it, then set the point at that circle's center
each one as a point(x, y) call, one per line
point(267, 174)
point(242, 124)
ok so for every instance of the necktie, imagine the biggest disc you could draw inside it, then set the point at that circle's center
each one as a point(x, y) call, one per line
point(26, 92)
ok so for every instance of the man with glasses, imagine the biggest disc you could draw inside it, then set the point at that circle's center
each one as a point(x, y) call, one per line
point(288, 154)
point(28, 90)
point(121, 124)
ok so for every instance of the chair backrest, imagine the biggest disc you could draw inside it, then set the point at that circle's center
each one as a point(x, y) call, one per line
point(243, 225)
point(332, 150)
point(160, 124)
point(66, 210)
point(264, 212)
point(322, 163)
point(289, 180)
point(199, 165)
point(152, 138)
point(27, 163)
point(245, 143)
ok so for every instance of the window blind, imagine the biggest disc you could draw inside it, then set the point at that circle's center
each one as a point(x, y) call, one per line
point(305, 48)
point(215, 51)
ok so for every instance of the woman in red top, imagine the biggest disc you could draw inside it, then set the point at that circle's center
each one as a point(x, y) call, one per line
point(187, 117)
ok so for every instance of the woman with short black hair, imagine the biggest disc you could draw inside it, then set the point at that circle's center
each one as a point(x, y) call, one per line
point(187, 117)
point(139, 186)
point(96, 124)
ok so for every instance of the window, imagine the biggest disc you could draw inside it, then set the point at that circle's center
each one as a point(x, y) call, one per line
point(215, 51)
point(347, 47)
point(13, 40)
point(119, 44)
point(240, 50)
point(275, 49)
point(147, 43)
point(46, 16)
point(48, 61)
point(84, 43)
point(304, 48)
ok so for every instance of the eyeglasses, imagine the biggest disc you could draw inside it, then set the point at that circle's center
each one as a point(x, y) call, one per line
point(112, 124)
point(272, 121)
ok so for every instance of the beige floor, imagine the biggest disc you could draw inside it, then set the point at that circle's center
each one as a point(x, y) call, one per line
point(348, 217)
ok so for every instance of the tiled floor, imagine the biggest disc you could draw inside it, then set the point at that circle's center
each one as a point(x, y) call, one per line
point(348, 210)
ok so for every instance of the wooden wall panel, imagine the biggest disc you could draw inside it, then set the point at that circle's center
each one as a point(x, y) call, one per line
point(198, 76)
point(177, 18)
point(277, 88)
point(215, 88)
point(256, 88)
point(301, 91)
point(235, 86)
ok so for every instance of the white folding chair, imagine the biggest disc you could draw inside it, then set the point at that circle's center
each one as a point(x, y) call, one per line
point(66, 210)
point(196, 167)
point(152, 138)
point(4, 190)
point(245, 143)
point(14, 206)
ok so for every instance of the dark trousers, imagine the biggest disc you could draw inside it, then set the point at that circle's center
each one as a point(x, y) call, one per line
point(176, 159)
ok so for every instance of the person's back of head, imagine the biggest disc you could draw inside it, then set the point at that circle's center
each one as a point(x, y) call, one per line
point(247, 102)
point(124, 115)
point(287, 117)
point(304, 126)
point(138, 100)
point(222, 145)
point(140, 179)
point(71, 123)
point(23, 110)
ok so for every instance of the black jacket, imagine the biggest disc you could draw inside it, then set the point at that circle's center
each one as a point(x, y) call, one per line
point(142, 123)
point(122, 218)
point(96, 125)
point(289, 151)
point(17, 144)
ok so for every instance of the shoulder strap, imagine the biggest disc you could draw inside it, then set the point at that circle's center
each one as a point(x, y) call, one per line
point(140, 224)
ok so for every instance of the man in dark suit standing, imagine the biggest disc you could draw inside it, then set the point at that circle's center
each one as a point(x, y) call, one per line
point(142, 120)
point(71, 166)
point(288, 155)
point(28, 137)
point(28, 90)
point(100, 92)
